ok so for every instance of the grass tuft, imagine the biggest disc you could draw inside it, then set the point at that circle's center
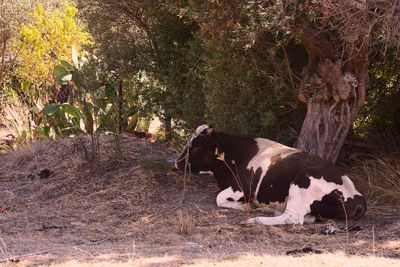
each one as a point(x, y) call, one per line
point(184, 223)
point(378, 178)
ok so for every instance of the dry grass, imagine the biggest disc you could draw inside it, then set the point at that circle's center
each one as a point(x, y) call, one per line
point(378, 178)
point(132, 205)
point(184, 222)
point(23, 155)
point(16, 118)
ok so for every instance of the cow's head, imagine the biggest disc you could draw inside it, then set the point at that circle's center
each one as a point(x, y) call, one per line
point(199, 153)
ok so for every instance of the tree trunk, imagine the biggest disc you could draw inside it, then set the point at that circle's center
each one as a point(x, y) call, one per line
point(168, 128)
point(334, 86)
point(333, 98)
point(324, 129)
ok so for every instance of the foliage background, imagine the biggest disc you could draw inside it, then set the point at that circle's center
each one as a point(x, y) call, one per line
point(187, 62)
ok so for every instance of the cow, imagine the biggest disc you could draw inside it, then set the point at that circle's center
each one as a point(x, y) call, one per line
point(293, 186)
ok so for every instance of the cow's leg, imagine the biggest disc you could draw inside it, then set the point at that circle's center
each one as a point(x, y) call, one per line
point(273, 209)
point(298, 206)
point(269, 210)
point(228, 198)
point(282, 219)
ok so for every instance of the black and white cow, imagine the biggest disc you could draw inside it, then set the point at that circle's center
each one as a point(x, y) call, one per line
point(295, 186)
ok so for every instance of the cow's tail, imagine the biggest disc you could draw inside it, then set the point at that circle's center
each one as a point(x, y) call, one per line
point(356, 207)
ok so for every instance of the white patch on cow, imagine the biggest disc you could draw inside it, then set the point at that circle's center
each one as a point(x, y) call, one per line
point(198, 131)
point(266, 150)
point(309, 219)
point(350, 188)
point(282, 219)
point(223, 202)
point(201, 128)
point(300, 199)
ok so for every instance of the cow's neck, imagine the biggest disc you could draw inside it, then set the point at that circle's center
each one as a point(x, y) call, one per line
point(235, 148)
point(222, 174)
point(238, 148)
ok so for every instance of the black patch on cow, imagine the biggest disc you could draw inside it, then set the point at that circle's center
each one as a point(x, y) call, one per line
point(238, 151)
point(237, 148)
point(250, 182)
point(356, 207)
point(230, 199)
point(330, 206)
point(302, 182)
point(275, 184)
point(333, 206)
point(242, 199)
point(223, 176)
point(295, 168)
point(328, 172)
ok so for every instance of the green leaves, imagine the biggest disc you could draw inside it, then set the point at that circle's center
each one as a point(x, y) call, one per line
point(60, 71)
point(42, 132)
point(51, 109)
point(78, 79)
point(67, 66)
point(67, 73)
point(63, 75)
point(71, 110)
point(64, 118)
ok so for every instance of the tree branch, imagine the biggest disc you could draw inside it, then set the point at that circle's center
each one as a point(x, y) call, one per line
point(137, 18)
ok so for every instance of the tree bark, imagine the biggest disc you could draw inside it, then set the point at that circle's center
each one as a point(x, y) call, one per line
point(325, 128)
point(334, 85)
point(168, 128)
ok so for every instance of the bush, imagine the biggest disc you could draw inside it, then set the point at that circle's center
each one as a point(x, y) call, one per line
point(247, 91)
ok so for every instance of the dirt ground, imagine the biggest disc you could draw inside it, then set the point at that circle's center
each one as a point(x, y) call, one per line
point(133, 208)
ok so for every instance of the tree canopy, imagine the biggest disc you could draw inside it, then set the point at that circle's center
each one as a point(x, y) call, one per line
point(305, 73)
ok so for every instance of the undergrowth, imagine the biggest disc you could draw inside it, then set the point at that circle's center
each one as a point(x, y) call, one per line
point(378, 177)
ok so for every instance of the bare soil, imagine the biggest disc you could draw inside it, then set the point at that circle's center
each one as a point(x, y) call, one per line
point(56, 207)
